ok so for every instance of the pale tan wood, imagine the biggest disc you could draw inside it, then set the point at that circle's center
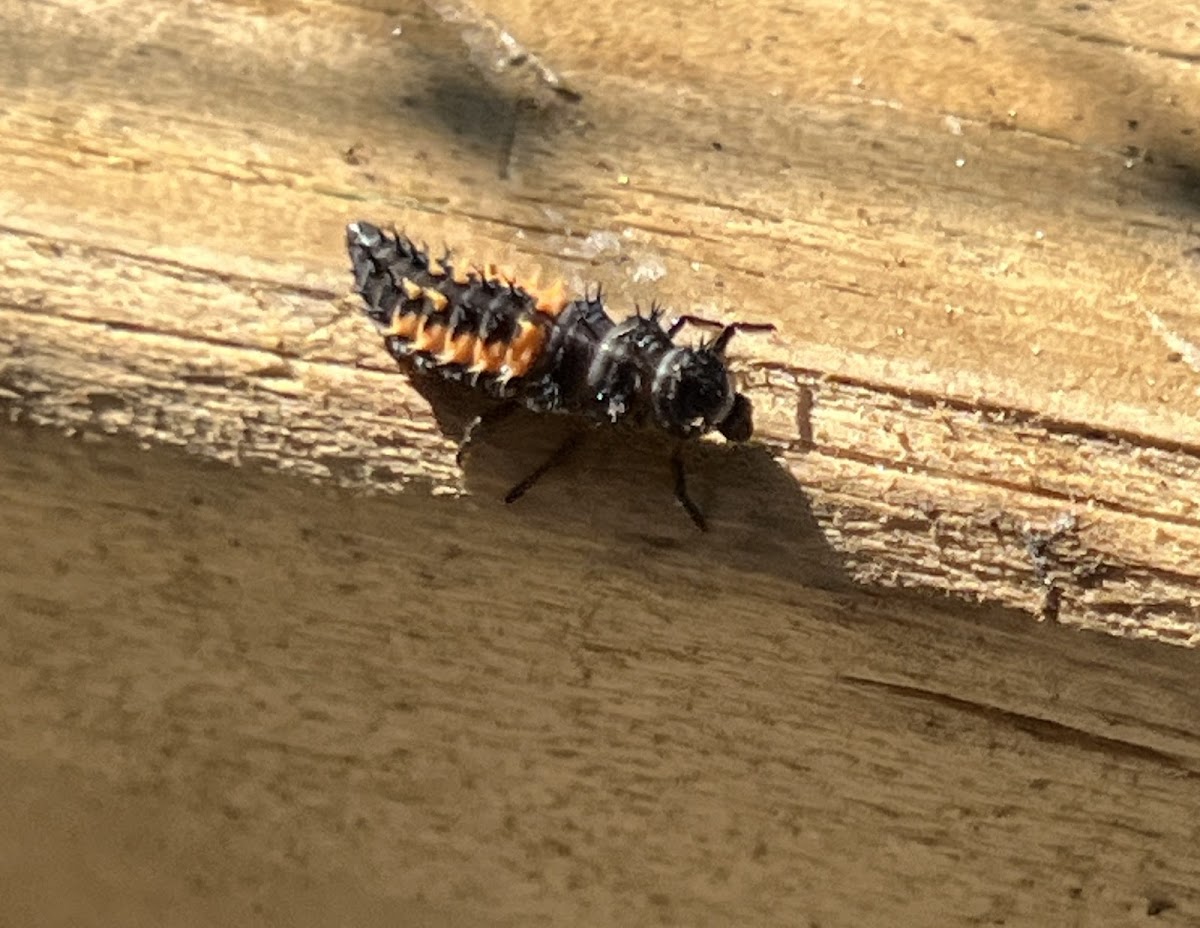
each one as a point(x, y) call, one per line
point(386, 691)
point(240, 700)
point(976, 364)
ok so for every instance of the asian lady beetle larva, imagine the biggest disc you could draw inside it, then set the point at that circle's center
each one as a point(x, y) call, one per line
point(528, 346)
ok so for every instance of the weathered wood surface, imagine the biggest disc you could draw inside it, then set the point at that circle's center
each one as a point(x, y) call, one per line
point(228, 701)
point(229, 695)
point(974, 232)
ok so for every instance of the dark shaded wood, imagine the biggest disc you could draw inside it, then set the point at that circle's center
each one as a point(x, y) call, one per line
point(219, 686)
point(376, 695)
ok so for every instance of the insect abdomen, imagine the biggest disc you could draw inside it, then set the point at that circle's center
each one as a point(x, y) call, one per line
point(473, 323)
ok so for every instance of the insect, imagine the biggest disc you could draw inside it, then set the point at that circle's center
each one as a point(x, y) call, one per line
point(528, 346)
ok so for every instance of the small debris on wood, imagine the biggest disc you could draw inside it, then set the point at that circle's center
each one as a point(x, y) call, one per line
point(500, 57)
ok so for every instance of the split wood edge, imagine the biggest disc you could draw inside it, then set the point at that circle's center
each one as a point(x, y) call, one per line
point(1064, 521)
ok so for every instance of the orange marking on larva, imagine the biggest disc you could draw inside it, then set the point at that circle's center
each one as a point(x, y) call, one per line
point(488, 359)
point(495, 356)
point(459, 349)
point(437, 300)
point(436, 268)
point(553, 300)
point(462, 276)
point(525, 349)
point(499, 274)
point(430, 337)
point(411, 289)
point(403, 325)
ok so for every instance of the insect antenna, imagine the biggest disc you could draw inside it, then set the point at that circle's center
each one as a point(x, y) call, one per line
point(728, 330)
point(721, 342)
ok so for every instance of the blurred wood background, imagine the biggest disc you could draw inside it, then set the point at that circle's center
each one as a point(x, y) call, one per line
point(377, 696)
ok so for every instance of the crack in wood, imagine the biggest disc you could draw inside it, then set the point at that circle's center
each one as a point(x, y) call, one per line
point(1043, 729)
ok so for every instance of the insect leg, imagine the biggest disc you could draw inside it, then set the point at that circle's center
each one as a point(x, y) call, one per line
point(563, 452)
point(681, 493)
point(681, 321)
point(485, 420)
point(728, 329)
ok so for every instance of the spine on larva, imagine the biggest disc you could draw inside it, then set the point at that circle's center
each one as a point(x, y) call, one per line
point(468, 323)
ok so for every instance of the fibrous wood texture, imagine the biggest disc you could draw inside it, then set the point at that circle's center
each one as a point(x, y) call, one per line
point(973, 230)
point(241, 702)
point(973, 227)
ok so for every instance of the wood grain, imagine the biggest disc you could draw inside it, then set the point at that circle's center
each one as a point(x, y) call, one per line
point(987, 325)
point(267, 703)
point(377, 694)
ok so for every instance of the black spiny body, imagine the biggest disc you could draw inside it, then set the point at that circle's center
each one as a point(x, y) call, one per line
point(530, 346)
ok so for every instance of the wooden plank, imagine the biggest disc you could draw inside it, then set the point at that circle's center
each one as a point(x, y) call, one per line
point(981, 385)
point(251, 701)
point(377, 695)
